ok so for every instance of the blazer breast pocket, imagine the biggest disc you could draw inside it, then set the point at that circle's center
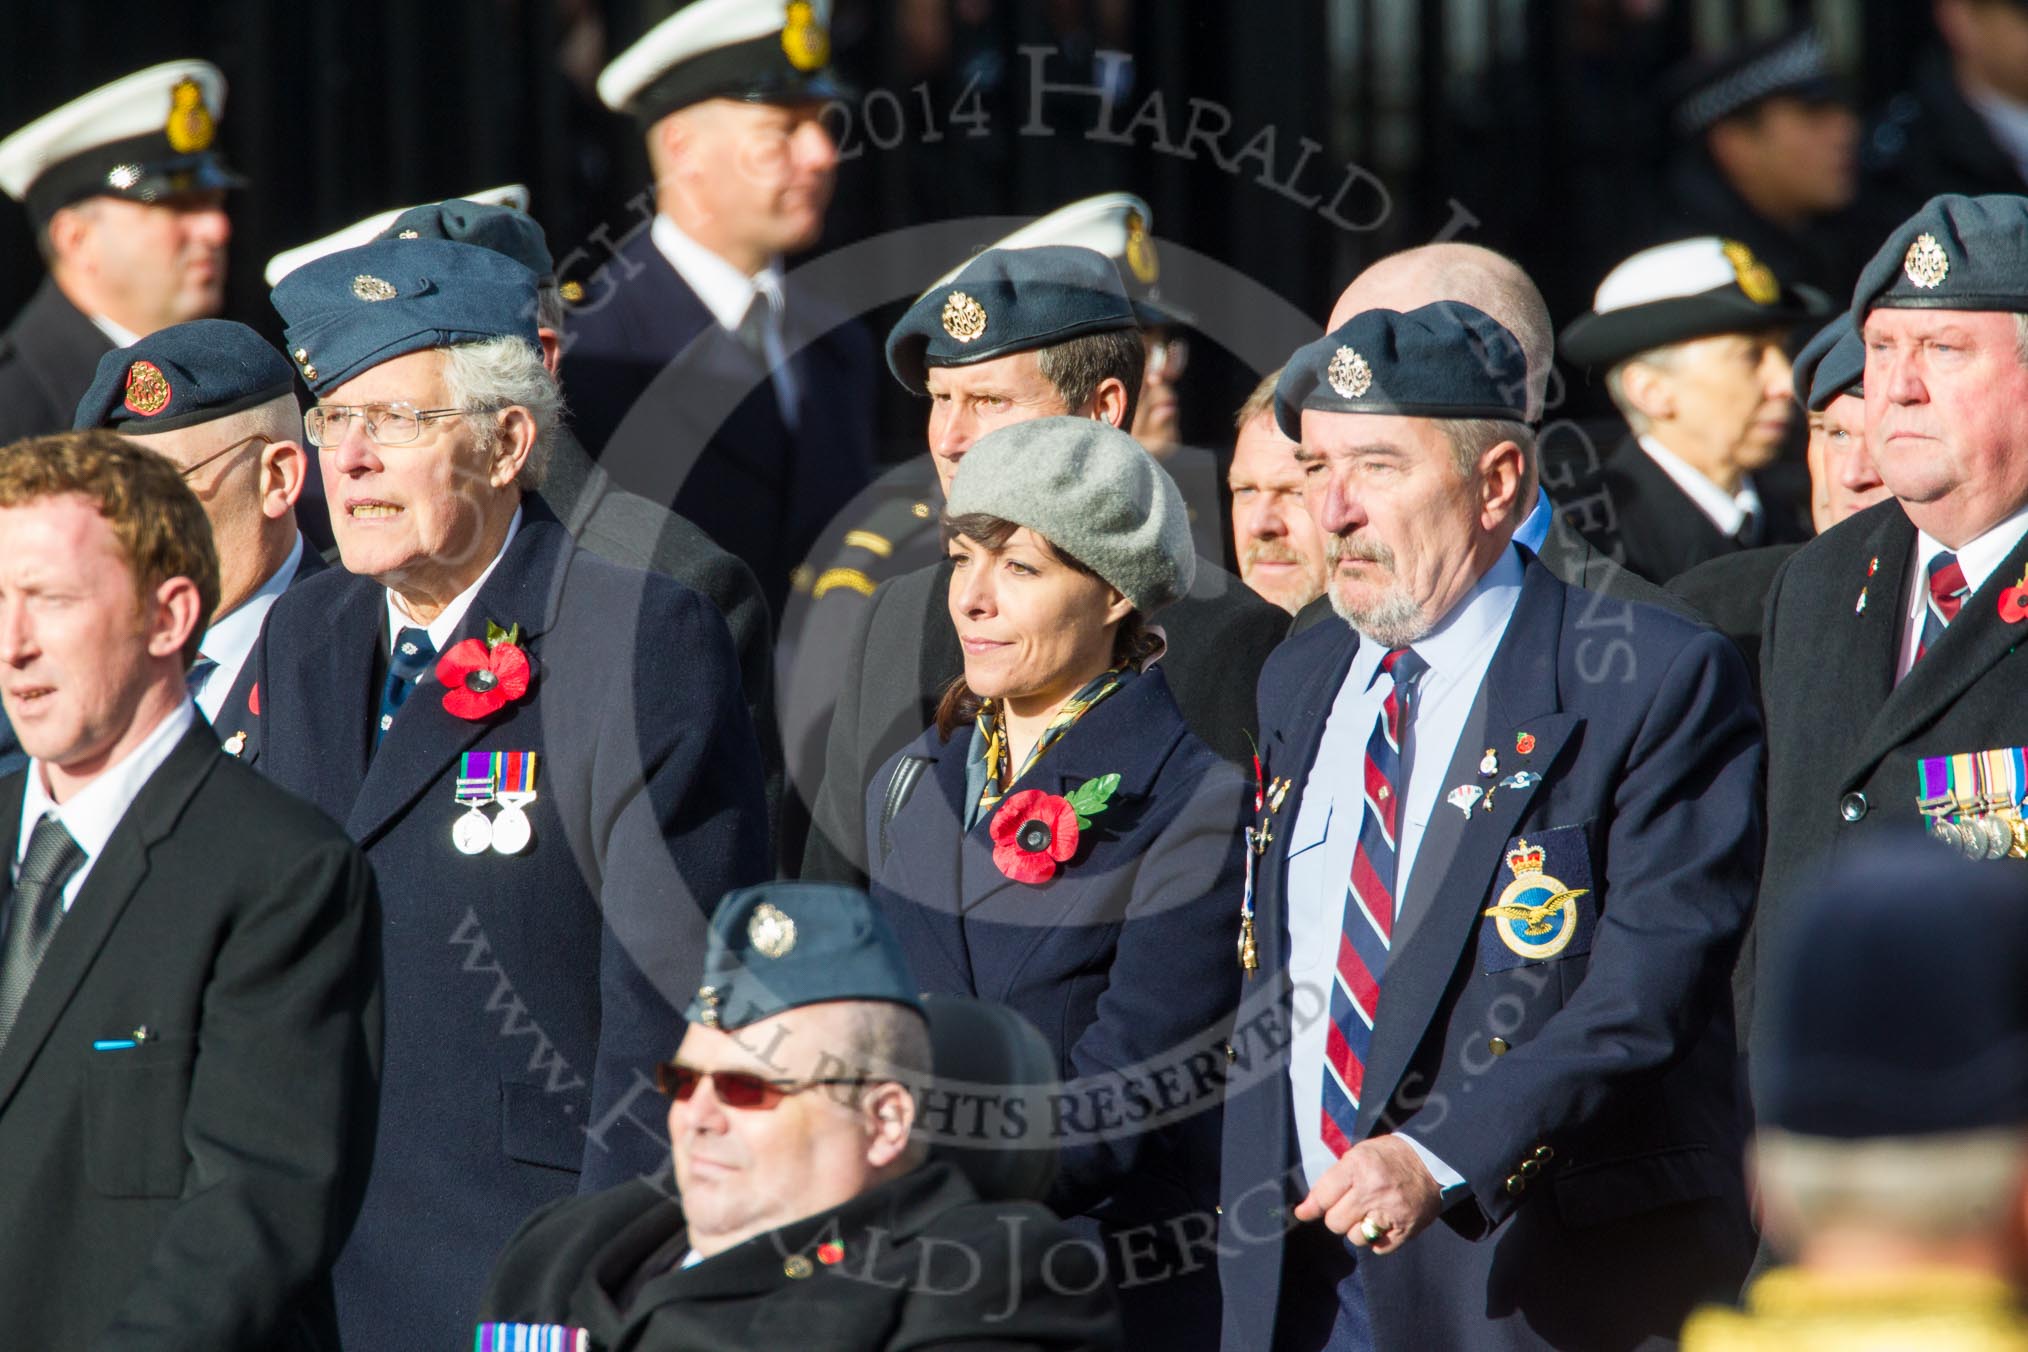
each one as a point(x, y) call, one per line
point(535, 1129)
point(1545, 908)
point(135, 1100)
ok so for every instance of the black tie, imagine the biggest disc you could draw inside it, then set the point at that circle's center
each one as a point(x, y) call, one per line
point(200, 671)
point(413, 653)
point(38, 904)
point(1752, 529)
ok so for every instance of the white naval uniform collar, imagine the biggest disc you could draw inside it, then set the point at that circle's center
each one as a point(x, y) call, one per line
point(446, 623)
point(1726, 511)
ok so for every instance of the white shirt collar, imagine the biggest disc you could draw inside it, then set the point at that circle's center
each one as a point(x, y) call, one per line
point(231, 637)
point(1727, 511)
point(1463, 634)
point(2006, 120)
point(446, 623)
point(1978, 558)
point(724, 289)
point(94, 810)
point(120, 336)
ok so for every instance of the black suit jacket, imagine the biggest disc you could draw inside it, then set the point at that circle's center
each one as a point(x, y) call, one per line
point(924, 1265)
point(191, 1191)
point(1637, 514)
point(239, 721)
point(1731, 591)
point(48, 357)
point(1844, 740)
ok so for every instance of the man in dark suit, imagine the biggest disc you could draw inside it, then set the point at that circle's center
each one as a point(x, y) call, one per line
point(690, 359)
point(1890, 663)
point(1690, 336)
point(127, 196)
point(1505, 861)
point(189, 986)
point(808, 1208)
point(1956, 128)
point(1016, 334)
point(544, 754)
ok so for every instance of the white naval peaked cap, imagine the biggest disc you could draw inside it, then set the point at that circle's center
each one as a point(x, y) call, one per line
point(1687, 267)
point(760, 50)
point(1672, 293)
point(153, 109)
point(513, 195)
point(1116, 224)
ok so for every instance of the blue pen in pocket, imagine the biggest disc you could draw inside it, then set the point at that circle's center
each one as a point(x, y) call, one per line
point(113, 1044)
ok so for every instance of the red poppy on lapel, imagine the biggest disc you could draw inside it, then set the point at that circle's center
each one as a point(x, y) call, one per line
point(2014, 601)
point(1033, 832)
point(481, 676)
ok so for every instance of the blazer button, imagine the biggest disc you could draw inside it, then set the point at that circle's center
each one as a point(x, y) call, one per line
point(1497, 1046)
point(1529, 1168)
point(1218, 1210)
point(1515, 1185)
point(1230, 1054)
point(1544, 1153)
point(1852, 806)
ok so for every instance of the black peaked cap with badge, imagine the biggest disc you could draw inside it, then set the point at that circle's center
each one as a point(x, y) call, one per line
point(503, 229)
point(183, 375)
point(1955, 1055)
point(1443, 360)
point(357, 308)
point(1791, 64)
point(1956, 253)
point(1008, 300)
point(782, 945)
point(1677, 292)
point(757, 51)
point(1832, 363)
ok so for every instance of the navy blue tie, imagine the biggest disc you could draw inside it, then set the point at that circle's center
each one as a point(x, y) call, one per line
point(200, 672)
point(412, 656)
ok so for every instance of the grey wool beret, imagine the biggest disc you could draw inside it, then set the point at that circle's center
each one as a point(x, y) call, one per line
point(1094, 494)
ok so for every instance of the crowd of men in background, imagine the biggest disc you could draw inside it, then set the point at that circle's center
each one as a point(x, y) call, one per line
point(1482, 843)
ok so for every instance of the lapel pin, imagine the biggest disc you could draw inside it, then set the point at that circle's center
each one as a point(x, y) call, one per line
point(1276, 792)
point(1463, 797)
point(830, 1252)
point(2014, 601)
point(1489, 764)
point(1521, 779)
point(235, 743)
point(1860, 609)
point(1873, 565)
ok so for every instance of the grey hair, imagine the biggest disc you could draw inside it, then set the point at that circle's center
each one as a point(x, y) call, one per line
point(1666, 358)
point(1950, 1186)
point(483, 377)
point(1470, 438)
point(549, 307)
point(2021, 338)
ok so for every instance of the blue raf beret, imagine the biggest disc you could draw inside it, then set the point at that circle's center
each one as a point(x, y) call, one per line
point(1897, 1004)
point(782, 945)
point(1957, 253)
point(1831, 363)
point(1008, 300)
point(504, 230)
point(356, 308)
point(1446, 360)
point(182, 375)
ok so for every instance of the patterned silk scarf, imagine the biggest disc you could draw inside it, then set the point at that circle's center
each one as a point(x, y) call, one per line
point(986, 764)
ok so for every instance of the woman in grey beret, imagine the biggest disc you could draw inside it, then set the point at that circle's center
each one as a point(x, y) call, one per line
point(1061, 843)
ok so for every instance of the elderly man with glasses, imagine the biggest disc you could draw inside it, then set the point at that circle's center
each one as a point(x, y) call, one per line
point(808, 1210)
point(545, 755)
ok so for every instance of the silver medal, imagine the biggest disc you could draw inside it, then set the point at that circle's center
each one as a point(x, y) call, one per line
point(472, 833)
point(511, 831)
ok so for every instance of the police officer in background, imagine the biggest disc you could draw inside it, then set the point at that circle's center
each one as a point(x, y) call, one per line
point(1015, 334)
point(127, 196)
point(700, 375)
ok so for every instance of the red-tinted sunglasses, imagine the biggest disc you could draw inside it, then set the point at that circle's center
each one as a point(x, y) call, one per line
point(738, 1088)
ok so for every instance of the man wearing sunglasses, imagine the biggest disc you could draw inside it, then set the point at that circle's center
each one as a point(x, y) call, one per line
point(219, 403)
point(807, 1208)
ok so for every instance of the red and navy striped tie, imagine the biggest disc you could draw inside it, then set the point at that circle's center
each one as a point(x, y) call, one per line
point(1368, 929)
point(1947, 593)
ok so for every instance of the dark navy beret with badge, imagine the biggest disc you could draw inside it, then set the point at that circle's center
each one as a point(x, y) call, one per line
point(1444, 360)
point(182, 375)
point(1008, 300)
point(1673, 293)
point(1956, 253)
point(1899, 1007)
point(782, 945)
point(1832, 363)
point(502, 229)
point(357, 308)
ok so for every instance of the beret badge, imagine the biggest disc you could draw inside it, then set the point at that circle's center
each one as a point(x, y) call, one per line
point(771, 932)
point(1926, 264)
point(964, 318)
point(1349, 374)
point(148, 390)
point(804, 41)
point(1755, 278)
point(368, 287)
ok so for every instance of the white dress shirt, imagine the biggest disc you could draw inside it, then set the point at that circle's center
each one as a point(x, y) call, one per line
point(1459, 651)
point(231, 637)
point(728, 293)
point(94, 810)
point(1727, 511)
point(1978, 559)
point(118, 335)
point(446, 623)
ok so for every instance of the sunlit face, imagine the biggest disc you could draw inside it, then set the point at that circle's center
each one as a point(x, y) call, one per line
point(414, 516)
point(1157, 413)
point(1405, 534)
point(78, 649)
point(760, 174)
point(1727, 400)
point(1033, 628)
point(966, 402)
point(744, 1171)
point(1843, 479)
point(154, 264)
point(1281, 553)
point(1947, 416)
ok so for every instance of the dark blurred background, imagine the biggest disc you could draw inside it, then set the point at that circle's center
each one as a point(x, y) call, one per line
point(1529, 125)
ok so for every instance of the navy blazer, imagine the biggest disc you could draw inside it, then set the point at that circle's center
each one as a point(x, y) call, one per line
point(1587, 1098)
point(528, 995)
point(677, 410)
point(1124, 960)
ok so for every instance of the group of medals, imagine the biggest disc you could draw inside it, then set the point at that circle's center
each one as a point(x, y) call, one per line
point(1973, 801)
point(488, 777)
